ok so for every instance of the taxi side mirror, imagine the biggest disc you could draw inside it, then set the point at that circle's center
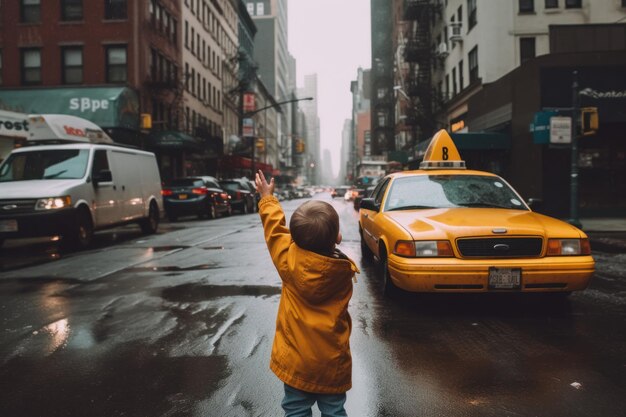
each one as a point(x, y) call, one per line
point(369, 204)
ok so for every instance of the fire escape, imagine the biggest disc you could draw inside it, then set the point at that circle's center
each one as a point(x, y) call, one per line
point(419, 55)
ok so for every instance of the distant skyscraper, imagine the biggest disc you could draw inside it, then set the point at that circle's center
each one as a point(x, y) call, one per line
point(309, 108)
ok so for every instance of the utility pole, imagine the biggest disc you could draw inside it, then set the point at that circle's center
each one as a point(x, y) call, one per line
point(574, 162)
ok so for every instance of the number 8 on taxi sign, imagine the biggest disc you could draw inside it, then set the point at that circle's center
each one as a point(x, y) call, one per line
point(442, 153)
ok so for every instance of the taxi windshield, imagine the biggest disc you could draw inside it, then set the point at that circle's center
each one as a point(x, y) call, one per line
point(58, 164)
point(450, 191)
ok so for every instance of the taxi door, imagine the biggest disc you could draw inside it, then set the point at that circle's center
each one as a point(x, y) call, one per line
point(371, 231)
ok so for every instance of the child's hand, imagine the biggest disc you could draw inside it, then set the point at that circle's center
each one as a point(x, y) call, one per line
point(262, 186)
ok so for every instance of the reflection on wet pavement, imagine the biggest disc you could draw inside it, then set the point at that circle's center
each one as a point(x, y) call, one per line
point(197, 292)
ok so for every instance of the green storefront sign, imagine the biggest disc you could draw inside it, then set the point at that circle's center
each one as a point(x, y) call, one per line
point(108, 107)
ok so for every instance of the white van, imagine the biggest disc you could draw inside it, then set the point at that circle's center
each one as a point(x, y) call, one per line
point(72, 189)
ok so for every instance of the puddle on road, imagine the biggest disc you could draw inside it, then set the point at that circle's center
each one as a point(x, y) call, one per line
point(27, 285)
point(202, 267)
point(167, 248)
point(198, 292)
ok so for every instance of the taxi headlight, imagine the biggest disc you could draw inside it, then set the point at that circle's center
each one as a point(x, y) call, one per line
point(53, 203)
point(568, 247)
point(424, 248)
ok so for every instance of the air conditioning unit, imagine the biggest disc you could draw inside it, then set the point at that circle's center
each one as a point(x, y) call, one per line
point(442, 50)
point(454, 32)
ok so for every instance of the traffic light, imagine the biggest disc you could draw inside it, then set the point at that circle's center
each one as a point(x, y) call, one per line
point(260, 145)
point(299, 146)
point(589, 120)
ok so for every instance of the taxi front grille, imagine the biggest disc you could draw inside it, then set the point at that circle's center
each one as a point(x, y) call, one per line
point(500, 247)
point(9, 207)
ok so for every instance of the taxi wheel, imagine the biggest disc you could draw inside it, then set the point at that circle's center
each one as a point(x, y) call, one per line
point(389, 289)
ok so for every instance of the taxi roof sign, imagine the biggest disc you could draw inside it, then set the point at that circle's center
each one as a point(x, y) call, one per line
point(63, 127)
point(442, 153)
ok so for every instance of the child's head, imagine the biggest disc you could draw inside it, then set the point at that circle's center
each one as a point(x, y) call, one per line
point(314, 226)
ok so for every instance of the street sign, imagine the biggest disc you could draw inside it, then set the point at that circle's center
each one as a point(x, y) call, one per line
point(249, 103)
point(248, 128)
point(560, 130)
point(540, 127)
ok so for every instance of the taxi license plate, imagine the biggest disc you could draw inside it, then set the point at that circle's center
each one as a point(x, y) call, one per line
point(505, 278)
point(8, 225)
point(182, 196)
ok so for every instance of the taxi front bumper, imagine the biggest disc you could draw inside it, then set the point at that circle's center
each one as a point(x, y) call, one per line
point(548, 274)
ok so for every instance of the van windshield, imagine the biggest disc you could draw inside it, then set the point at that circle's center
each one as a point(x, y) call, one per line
point(57, 164)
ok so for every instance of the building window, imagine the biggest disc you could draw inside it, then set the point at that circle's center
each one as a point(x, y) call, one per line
point(459, 14)
point(116, 64)
point(471, 14)
point(260, 9)
point(526, 6)
point(473, 64)
point(526, 49)
point(454, 90)
point(552, 4)
point(72, 58)
point(30, 11)
point(573, 4)
point(461, 75)
point(31, 66)
point(115, 9)
point(0, 66)
point(250, 7)
point(71, 10)
point(448, 85)
point(623, 3)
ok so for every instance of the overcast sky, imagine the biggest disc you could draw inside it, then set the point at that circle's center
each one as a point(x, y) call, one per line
point(330, 38)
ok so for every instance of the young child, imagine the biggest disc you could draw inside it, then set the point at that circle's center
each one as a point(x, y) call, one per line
point(311, 351)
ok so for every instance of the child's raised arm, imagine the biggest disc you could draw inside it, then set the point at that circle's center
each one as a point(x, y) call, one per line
point(277, 234)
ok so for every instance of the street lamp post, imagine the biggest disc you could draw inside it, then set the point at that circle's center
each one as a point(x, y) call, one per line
point(252, 113)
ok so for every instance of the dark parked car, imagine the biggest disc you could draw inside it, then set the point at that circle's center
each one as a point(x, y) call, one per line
point(242, 198)
point(257, 196)
point(200, 196)
point(341, 191)
point(361, 194)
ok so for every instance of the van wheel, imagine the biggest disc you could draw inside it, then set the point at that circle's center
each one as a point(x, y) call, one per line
point(150, 224)
point(81, 233)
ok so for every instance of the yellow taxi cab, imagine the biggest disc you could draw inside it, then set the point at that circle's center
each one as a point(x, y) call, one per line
point(444, 228)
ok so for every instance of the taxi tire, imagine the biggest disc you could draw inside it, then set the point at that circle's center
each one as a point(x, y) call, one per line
point(389, 289)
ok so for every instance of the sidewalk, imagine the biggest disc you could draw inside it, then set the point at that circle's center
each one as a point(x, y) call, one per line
point(606, 234)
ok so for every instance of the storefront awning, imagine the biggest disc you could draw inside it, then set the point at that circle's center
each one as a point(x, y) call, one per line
point(108, 107)
point(171, 139)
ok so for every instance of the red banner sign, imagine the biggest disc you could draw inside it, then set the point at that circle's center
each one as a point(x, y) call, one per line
point(249, 102)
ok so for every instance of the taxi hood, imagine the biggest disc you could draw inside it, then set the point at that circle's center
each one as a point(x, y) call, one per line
point(452, 223)
point(37, 188)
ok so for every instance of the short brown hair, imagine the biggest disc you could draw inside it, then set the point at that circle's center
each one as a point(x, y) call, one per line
point(314, 226)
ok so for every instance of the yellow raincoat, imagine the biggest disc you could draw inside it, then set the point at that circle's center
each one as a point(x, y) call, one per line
point(311, 350)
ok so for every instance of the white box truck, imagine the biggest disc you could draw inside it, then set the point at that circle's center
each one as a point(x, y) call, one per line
point(72, 179)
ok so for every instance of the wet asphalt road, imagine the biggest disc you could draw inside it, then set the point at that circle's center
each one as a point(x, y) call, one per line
point(181, 324)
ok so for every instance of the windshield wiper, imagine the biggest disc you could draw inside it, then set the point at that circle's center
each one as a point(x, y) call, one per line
point(489, 205)
point(414, 207)
point(56, 174)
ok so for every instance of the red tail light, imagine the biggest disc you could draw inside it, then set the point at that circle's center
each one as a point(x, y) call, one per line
point(166, 192)
point(238, 195)
point(200, 191)
point(225, 196)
